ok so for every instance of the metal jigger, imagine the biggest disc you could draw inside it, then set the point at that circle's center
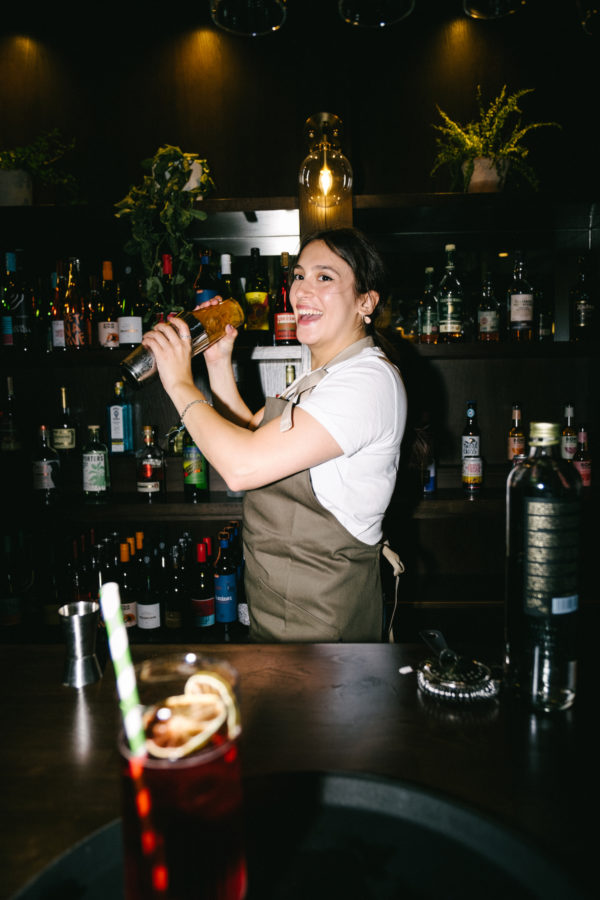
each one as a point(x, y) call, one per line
point(80, 627)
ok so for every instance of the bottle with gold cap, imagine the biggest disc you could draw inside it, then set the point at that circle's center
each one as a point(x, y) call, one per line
point(543, 510)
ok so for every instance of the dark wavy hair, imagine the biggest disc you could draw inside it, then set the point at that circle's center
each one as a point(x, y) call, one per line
point(359, 252)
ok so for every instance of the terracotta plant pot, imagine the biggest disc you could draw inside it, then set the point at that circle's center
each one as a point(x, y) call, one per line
point(487, 176)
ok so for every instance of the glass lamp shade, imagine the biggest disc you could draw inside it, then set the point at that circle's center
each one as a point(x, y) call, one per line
point(325, 176)
point(249, 18)
point(491, 9)
point(374, 13)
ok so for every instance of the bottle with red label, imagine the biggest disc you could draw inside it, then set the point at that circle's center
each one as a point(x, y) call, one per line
point(582, 459)
point(150, 469)
point(203, 593)
point(284, 320)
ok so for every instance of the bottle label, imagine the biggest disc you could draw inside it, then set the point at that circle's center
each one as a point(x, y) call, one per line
point(45, 474)
point(194, 468)
point(489, 321)
point(225, 598)
point(285, 327)
point(173, 618)
point(7, 331)
point(75, 333)
point(203, 611)
point(521, 310)
point(130, 329)
point(470, 445)
point(129, 611)
point(63, 438)
point(568, 446)
point(257, 303)
point(550, 556)
point(516, 445)
point(108, 334)
point(148, 616)
point(450, 315)
point(116, 424)
point(472, 472)
point(584, 467)
point(94, 471)
point(58, 334)
point(148, 487)
point(428, 321)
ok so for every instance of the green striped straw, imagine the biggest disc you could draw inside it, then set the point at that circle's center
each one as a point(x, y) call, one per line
point(118, 643)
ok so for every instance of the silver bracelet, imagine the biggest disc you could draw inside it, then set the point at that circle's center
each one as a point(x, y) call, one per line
point(191, 403)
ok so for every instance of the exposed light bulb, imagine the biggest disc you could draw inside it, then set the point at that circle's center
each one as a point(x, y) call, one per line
point(326, 175)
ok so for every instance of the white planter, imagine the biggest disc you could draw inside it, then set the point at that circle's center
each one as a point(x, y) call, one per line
point(15, 188)
point(487, 177)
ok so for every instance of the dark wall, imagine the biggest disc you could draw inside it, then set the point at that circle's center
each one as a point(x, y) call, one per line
point(124, 83)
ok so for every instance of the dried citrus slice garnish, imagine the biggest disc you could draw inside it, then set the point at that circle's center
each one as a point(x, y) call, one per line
point(206, 683)
point(183, 724)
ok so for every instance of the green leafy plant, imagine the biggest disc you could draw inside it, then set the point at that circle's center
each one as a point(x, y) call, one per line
point(40, 158)
point(161, 212)
point(498, 134)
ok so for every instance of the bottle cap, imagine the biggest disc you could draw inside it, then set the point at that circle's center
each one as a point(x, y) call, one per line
point(544, 433)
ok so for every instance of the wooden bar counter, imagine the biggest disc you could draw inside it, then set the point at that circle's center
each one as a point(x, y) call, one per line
point(319, 708)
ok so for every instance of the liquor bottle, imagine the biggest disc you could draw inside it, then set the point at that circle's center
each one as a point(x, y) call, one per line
point(150, 469)
point(45, 469)
point(243, 615)
point(582, 459)
point(76, 318)
point(520, 307)
point(229, 287)
point(119, 422)
point(544, 315)
point(6, 316)
point(225, 580)
point(57, 310)
point(195, 474)
point(568, 434)
point(127, 588)
point(582, 305)
point(206, 327)
point(107, 310)
point(472, 463)
point(284, 320)
point(517, 443)
point(177, 598)
point(96, 472)
point(206, 285)
point(488, 313)
point(129, 312)
point(64, 432)
point(257, 299)
point(10, 428)
point(149, 613)
point(20, 298)
point(427, 312)
point(542, 573)
point(202, 593)
point(450, 298)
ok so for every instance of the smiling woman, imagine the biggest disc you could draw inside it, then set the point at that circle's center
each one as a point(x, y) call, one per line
point(319, 463)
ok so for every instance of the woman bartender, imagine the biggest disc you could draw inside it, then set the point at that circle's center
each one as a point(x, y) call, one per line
point(318, 465)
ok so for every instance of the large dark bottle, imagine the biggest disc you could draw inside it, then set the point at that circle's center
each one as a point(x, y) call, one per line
point(10, 421)
point(257, 299)
point(520, 303)
point(225, 580)
point(543, 505)
point(582, 305)
point(119, 422)
point(75, 310)
point(206, 285)
point(21, 300)
point(203, 594)
point(284, 320)
point(45, 469)
point(149, 611)
point(127, 588)
point(177, 598)
point(64, 431)
point(150, 469)
point(195, 476)
point(96, 471)
point(450, 297)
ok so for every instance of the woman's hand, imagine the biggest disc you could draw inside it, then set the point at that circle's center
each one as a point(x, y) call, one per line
point(171, 344)
point(222, 350)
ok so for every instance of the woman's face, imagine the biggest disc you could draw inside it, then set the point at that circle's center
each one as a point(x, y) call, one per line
point(324, 299)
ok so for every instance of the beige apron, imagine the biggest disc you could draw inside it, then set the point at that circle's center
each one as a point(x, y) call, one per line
point(307, 578)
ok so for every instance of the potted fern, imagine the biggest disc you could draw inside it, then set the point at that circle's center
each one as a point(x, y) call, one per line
point(35, 165)
point(481, 153)
point(161, 212)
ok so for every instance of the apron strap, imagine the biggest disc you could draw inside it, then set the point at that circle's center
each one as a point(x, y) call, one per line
point(308, 382)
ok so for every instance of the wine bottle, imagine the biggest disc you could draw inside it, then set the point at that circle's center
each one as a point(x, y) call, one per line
point(517, 442)
point(520, 306)
point(472, 463)
point(582, 305)
point(257, 299)
point(427, 311)
point(20, 298)
point(10, 426)
point(119, 419)
point(542, 573)
point(57, 310)
point(450, 297)
point(64, 432)
point(195, 474)
point(107, 310)
point(149, 611)
point(130, 312)
point(206, 285)
point(45, 469)
point(150, 469)
point(225, 581)
point(203, 593)
point(76, 318)
point(284, 320)
point(568, 434)
point(96, 471)
point(127, 590)
point(206, 327)
point(6, 315)
point(582, 460)
point(488, 313)
point(177, 599)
